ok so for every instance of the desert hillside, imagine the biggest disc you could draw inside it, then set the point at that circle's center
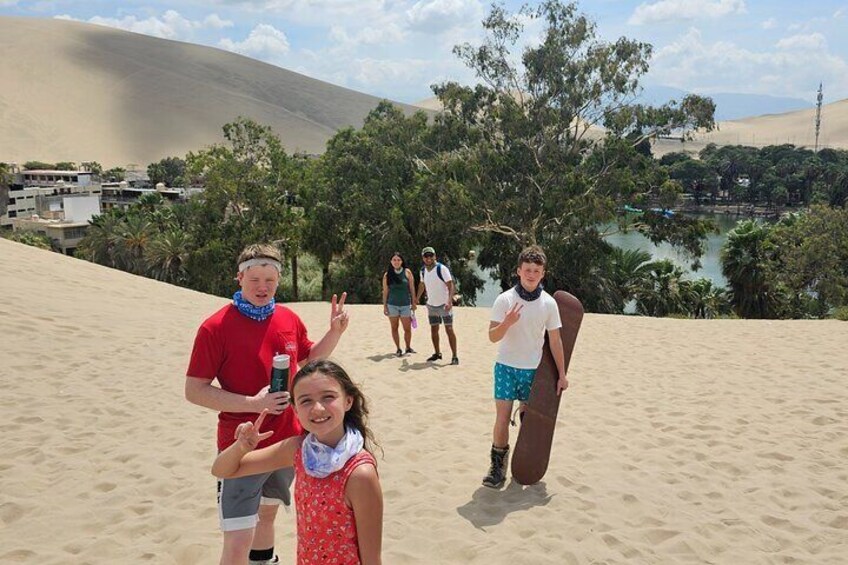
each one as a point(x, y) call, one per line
point(79, 92)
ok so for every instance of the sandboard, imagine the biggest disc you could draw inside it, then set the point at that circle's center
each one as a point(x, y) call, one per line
point(533, 447)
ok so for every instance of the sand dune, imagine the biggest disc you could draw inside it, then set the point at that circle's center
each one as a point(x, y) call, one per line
point(80, 92)
point(679, 442)
point(797, 128)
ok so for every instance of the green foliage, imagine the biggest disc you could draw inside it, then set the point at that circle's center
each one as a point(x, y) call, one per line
point(38, 165)
point(170, 171)
point(797, 268)
point(812, 263)
point(93, 167)
point(520, 145)
point(31, 238)
point(703, 300)
point(116, 174)
point(746, 261)
point(382, 190)
point(244, 202)
point(663, 292)
point(782, 175)
point(66, 166)
point(840, 313)
point(628, 270)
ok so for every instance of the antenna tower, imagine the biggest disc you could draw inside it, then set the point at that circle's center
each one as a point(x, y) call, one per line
point(818, 116)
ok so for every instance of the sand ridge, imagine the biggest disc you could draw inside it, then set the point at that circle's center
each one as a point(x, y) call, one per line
point(83, 92)
point(680, 441)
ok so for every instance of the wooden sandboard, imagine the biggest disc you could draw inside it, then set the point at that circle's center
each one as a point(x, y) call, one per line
point(533, 447)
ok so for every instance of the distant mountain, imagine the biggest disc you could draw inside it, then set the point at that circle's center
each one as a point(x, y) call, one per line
point(730, 106)
point(79, 92)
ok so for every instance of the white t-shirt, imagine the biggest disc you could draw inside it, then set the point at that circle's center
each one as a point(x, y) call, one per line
point(521, 346)
point(437, 291)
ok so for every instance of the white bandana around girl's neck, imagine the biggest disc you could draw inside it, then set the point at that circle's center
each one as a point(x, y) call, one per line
point(321, 460)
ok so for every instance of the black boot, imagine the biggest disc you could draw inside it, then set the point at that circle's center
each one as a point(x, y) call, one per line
point(497, 471)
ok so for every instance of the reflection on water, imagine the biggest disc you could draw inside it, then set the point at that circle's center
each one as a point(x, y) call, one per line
point(710, 261)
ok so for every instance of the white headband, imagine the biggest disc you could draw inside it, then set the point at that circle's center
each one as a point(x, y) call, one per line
point(263, 261)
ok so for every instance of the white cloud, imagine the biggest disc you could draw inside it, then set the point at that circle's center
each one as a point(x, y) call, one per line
point(839, 13)
point(811, 42)
point(4, 3)
point(436, 16)
point(214, 21)
point(264, 42)
point(171, 25)
point(317, 12)
point(770, 23)
point(673, 10)
point(691, 63)
point(389, 33)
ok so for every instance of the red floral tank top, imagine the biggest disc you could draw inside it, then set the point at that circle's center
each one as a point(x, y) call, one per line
point(326, 529)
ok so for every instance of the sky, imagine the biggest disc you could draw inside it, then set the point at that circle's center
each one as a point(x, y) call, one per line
point(398, 48)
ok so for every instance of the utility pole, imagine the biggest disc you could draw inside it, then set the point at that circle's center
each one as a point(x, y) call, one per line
point(818, 116)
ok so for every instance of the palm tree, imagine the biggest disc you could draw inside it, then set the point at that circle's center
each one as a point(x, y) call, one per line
point(102, 239)
point(704, 300)
point(132, 244)
point(629, 269)
point(166, 257)
point(744, 262)
point(663, 292)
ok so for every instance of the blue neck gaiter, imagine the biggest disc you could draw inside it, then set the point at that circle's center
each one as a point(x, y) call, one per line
point(258, 313)
point(529, 296)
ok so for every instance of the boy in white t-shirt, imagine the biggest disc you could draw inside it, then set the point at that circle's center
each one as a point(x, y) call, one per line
point(520, 318)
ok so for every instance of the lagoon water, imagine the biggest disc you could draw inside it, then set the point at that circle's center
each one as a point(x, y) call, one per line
point(710, 261)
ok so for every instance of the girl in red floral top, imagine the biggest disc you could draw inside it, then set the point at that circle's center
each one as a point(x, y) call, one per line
point(337, 491)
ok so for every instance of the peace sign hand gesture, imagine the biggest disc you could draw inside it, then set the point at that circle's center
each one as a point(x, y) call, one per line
point(513, 314)
point(338, 317)
point(247, 433)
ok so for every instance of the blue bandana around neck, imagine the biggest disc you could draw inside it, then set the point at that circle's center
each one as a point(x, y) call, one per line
point(258, 313)
point(529, 296)
point(321, 461)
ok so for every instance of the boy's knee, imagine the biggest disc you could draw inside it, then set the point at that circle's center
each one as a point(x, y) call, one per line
point(237, 545)
point(267, 512)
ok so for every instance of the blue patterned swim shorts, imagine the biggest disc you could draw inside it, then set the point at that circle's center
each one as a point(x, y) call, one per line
point(512, 383)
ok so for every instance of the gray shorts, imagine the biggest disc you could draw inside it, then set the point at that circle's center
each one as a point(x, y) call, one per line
point(239, 499)
point(399, 311)
point(438, 315)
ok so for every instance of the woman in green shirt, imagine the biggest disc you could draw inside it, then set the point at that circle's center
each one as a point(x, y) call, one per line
point(399, 301)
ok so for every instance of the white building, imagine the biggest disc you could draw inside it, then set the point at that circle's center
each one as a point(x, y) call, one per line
point(66, 226)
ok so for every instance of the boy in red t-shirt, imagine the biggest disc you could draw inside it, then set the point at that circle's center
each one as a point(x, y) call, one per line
point(235, 346)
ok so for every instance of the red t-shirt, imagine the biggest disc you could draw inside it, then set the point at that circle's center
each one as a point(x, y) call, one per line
point(238, 351)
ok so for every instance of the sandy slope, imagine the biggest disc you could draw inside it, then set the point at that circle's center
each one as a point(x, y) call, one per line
point(80, 92)
point(797, 128)
point(679, 442)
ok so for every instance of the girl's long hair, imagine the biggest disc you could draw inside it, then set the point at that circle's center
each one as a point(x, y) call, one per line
point(391, 276)
point(357, 416)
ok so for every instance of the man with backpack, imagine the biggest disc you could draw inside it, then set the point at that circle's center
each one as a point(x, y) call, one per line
point(437, 280)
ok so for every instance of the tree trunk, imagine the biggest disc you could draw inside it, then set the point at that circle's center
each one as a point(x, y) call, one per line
point(294, 277)
point(325, 280)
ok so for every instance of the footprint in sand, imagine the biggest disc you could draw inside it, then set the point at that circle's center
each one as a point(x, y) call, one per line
point(658, 536)
point(776, 455)
point(11, 512)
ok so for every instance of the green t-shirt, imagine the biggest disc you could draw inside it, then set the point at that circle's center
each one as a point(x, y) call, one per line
point(399, 292)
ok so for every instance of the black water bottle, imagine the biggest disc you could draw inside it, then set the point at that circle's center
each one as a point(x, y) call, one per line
point(280, 373)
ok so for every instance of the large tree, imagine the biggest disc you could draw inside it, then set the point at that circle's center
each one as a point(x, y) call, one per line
point(534, 157)
point(386, 188)
point(246, 182)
